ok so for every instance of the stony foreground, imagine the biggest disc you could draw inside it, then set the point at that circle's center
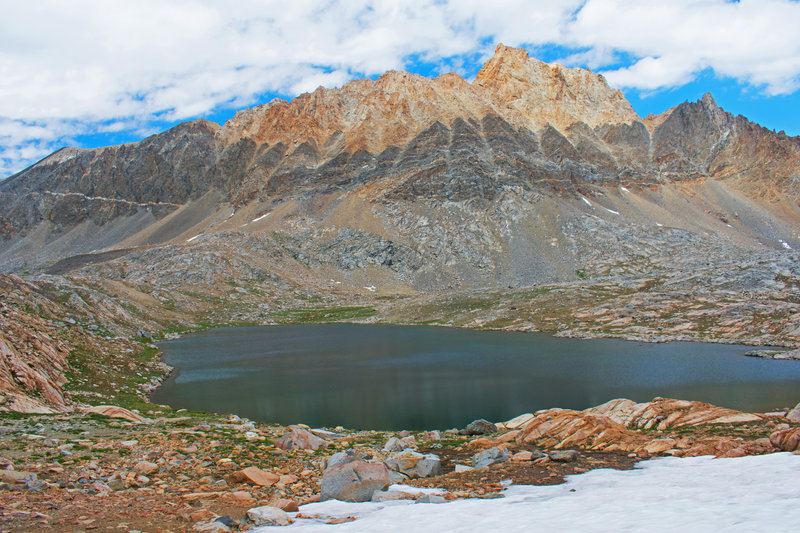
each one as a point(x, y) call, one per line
point(178, 471)
point(668, 495)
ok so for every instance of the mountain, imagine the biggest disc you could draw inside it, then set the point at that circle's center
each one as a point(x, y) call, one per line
point(532, 198)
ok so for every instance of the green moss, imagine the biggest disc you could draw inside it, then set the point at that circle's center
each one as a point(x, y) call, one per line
point(323, 314)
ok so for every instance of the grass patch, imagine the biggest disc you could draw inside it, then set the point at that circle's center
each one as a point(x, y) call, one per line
point(311, 315)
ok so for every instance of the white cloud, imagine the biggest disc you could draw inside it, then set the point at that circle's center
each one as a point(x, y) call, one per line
point(756, 42)
point(69, 68)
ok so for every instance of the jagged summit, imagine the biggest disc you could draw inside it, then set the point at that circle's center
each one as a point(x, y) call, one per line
point(551, 93)
point(389, 111)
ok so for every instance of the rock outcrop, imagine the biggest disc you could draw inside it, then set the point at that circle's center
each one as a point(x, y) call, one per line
point(665, 413)
point(564, 428)
point(32, 360)
point(414, 464)
point(616, 427)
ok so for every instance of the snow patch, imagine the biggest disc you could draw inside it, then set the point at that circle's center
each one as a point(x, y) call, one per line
point(587, 201)
point(371, 288)
point(193, 238)
point(659, 225)
point(260, 218)
point(611, 211)
point(624, 189)
point(785, 245)
point(699, 494)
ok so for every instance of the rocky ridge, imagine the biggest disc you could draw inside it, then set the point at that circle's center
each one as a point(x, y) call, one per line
point(523, 152)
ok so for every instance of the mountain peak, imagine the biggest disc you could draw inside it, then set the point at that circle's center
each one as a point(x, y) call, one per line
point(549, 93)
point(708, 100)
point(504, 61)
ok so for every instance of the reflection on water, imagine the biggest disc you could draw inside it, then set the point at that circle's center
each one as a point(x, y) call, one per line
point(394, 377)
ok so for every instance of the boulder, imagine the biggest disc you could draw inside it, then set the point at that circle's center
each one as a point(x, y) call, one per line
point(297, 438)
point(414, 464)
point(13, 476)
point(211, 527)
point(288, 505)
point(355, 481)
point(479, 427)
point(112, 411)
point(787, 440)
point(489, 457)
point(347, 456)
point(394, 444)
point(431, 435)
point(253, 476)
point(392, 494)
point(794, 414)
point(431, 498)
point(523, 456)
point(266, 515)
point(145, 467)
point(564, 456)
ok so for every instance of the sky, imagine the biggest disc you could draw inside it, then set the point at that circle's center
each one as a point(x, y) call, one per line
point(95, 72)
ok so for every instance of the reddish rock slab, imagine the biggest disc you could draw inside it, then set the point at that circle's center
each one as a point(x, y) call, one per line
point(787, 440)
point(113, 411)
point(297, 438)
point(665, 413)
point(254, 476)
point(564, 428)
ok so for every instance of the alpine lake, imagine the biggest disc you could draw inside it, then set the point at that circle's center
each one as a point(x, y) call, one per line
point(421, 377)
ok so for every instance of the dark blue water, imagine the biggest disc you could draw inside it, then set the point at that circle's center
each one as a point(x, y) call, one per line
point(393, 377)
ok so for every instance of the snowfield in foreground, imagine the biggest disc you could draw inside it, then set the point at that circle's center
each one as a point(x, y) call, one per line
point(757, 493)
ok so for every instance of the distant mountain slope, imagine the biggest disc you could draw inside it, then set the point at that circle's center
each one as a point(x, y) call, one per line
point(527, 175)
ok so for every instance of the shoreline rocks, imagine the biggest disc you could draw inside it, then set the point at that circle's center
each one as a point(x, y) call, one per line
point(776, 354)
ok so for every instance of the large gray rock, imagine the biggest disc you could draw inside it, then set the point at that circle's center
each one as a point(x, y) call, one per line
point(268, 516)
point(489, 457)
point(355, 481)
point(297, 438)
point(564, 456)
point(414, 464)
point(395, 445)
point(794, 414)
point(479, 427)
point(342, 458)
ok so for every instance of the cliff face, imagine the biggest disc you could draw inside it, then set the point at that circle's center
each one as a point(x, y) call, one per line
point(32, 361)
